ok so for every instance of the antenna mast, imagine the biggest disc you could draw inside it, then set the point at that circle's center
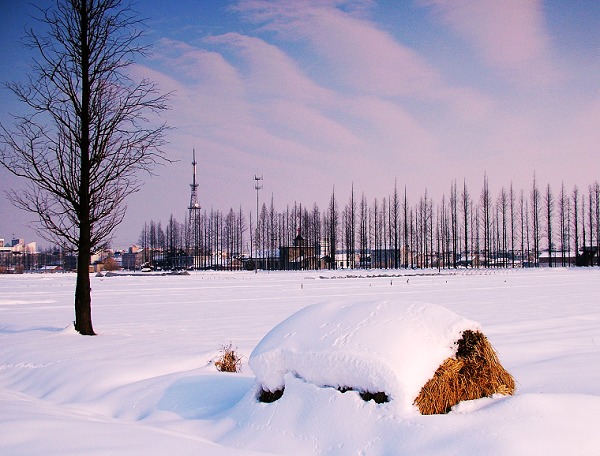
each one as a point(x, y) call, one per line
point(257, 187)
point(194, 217)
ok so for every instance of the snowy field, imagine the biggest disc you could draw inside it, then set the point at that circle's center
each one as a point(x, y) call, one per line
point(147, 383)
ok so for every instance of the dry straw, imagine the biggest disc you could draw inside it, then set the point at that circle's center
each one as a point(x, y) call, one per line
point(475, 372)
point(229, 361)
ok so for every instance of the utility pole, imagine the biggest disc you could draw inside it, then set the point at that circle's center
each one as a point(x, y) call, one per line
point(257, 186)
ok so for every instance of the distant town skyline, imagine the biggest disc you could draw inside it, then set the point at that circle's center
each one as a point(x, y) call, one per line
point(323, 94)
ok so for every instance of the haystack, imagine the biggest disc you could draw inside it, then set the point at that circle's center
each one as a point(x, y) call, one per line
point(474, 372)
point(398, 354)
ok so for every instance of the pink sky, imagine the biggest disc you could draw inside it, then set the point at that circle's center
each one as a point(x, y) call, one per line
point(317, 94)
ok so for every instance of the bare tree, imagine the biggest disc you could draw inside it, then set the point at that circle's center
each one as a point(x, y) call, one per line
point(503, 207)
point(522, 219)
point(161, 240)
point(429, 211)
point(241, 229)
point(486, 203)
point(333, 227)
point(445, 233)
point(412, 240)
point(375, 260)
point(477, 223)
point(349, 219)
point(496, 244)
point(562, 213)
point(385, 222)
point(262, 232)
point(230, 224)
point(549, 211)
point(175, 233)
point(272, 232)
point(511, 198)
point(363, 232)
point(347, 231)
point(87, 134)
point(593, 211)
point(315, 235)
point(143, 241)
point(394, 225)
point(535, 215)
point(575, 196)
point(466, 199)
point(153, 242)
point(406, 245)
point(454, 221)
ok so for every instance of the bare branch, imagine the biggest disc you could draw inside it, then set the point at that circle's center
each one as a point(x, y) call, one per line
point(88, 132)
point(49, 148)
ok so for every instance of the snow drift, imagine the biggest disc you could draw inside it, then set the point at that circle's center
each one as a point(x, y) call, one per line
point(146, 384)
point(387, 348)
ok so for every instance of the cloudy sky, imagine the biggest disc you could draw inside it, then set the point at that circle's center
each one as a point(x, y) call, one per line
point(313, 95)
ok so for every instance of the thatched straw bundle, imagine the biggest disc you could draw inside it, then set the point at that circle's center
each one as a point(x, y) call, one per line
point(475, 372)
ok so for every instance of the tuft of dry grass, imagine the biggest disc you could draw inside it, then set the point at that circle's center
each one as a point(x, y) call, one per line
point(229, 360)
point(475, 372)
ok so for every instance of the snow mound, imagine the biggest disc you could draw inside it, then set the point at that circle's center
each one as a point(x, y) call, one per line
point(385, 346)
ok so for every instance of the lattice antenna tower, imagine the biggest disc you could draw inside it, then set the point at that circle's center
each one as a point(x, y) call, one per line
point(194, 217)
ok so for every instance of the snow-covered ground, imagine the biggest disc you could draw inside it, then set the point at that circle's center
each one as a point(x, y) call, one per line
point(147, 384)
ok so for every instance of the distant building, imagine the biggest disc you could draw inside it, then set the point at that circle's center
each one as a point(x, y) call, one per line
point(558, 259)
point(588, 256)
point(132, 259)
point(50, 269)
point(16, 256)
point(300, 255)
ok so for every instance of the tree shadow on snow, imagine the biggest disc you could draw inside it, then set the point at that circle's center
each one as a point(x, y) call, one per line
point(204, 396)
point(9, 330)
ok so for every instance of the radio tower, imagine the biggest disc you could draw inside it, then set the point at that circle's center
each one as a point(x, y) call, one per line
point(194, 217)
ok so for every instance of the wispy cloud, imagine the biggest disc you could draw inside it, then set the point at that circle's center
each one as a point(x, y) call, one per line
point(510, 36)
point(268, 71)
point(319, 86)
point(356, 54)
point(356, 57)
point(333, 89)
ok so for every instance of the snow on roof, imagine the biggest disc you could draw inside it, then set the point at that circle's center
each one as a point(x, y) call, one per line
point(392, 347)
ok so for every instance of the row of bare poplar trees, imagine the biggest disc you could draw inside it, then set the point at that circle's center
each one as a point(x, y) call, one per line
point(508, 229)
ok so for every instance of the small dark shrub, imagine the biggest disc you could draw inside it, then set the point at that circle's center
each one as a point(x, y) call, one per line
point(270, 396)
point(380, 397)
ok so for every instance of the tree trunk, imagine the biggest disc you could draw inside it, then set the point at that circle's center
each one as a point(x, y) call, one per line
point(83, 298)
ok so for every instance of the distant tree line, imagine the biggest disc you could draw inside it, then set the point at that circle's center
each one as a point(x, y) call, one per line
point(464, 229)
